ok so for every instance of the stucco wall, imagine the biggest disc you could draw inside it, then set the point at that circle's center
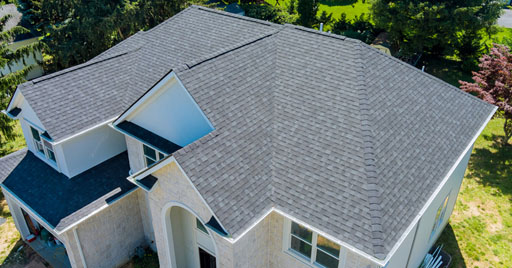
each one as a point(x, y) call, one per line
point(109, 238)
point(135, 154)
point(174, 188)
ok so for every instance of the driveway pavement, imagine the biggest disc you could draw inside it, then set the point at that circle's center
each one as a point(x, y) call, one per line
point(506, 19)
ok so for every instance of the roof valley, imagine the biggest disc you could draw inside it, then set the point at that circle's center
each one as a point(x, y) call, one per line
point(374, 195)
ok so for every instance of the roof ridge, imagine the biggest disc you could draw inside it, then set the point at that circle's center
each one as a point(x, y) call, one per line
point(80, 66)
point(374, 195)
point(191, 64)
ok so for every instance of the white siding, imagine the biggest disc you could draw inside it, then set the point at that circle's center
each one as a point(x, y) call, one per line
point(173, 114)
point(422, 243)
point(91, 148)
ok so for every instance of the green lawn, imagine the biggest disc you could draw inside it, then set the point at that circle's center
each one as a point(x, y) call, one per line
point(480, 230)
point(351, 7)
point(12, 146)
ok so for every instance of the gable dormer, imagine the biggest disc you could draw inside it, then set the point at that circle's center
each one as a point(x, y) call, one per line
point(161, 122)
point(37, 138)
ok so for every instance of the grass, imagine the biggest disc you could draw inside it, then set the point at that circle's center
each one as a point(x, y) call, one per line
point(351, 7)
point(9, 234)
point(14, 145)
point(479, 233)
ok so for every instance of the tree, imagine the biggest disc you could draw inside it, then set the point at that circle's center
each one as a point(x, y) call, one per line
point(307, 10)
point(493, 83)
point(10, 79)
point(77, 30)
point(359, 28)
point(325, 18)
point(435, 27)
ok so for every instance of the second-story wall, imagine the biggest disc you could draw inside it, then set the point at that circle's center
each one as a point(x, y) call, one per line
point(90, 149)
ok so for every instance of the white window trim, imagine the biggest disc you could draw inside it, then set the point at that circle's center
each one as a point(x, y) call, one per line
point(311, 262)
point(438, 222)
point(42, 155)
point(157, 154)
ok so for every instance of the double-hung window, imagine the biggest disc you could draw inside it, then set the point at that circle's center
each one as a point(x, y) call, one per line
point(151, 156)
point(313, 247)
point(36, 137)
point(42, 146)
point(441, 211)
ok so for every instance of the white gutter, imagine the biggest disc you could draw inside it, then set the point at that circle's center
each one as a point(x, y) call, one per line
point(79, 248)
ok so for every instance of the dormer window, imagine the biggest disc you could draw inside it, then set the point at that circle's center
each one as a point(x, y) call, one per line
point(42, 146)
point(151, 156)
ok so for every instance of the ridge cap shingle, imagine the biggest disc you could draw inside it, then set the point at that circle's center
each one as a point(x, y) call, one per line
point(374, 195)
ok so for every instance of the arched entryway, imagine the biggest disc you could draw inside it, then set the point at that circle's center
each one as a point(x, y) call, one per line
point(190, 243)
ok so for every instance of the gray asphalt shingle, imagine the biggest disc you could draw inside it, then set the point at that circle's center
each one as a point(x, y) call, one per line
point(322, 127)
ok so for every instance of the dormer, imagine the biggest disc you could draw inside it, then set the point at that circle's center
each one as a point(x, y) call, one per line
point(37, 138)
point(165, 119)
point(71, 155)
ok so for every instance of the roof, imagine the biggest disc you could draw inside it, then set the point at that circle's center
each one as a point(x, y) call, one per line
point(323, 127)
point(60, 201)
point(326, 129)
point(102, 88)
point(148, 137)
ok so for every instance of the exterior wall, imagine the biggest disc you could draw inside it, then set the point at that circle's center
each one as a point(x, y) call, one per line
point(173, 114)
point(109, 238)
point(253, 249)
point(147, 223)
point(422, 242)
point(135, 154)
point(90, 149)
point(174, 188)
point(280, 257)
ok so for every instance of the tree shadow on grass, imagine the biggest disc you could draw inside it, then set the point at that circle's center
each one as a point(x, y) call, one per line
point(492, 165)
point(451, 246)
point(338, 2)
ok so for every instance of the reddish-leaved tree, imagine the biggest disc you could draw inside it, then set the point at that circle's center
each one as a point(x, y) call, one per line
point(493, 83)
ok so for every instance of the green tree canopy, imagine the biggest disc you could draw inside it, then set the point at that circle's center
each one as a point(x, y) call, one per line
point(77, 30)
point(9, 77)
point(437, 27)
point(307, 10)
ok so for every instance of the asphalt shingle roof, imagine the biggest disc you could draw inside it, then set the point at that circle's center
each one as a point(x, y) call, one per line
point(320, 126)
point(57, 199)
point(326, 129)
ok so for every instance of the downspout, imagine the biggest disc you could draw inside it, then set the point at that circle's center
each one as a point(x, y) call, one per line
point(79, 248)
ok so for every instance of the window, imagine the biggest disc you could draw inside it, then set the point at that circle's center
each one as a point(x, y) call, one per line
point(37, 140)
point(49, 151)
point(151, 156)
point(200, 226)
point(42, 145)
point(313, 246)
point(439, 216)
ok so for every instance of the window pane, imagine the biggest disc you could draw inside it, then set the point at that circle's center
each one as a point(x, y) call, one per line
point(149, 161)
point(35, 134)
point(200, 226)
point(51, 155)
point(39, 146)
point(149, 152)
point(326, 260)
point(160, 156)
point(302, 232)
point(301, 247)
point(328, 246)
